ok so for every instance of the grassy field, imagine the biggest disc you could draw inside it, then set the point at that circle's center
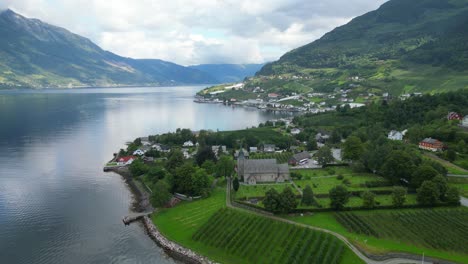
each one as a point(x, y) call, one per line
point(280, 157)
point(249, 238)
point(354, 201)
point(356, 182)
point(250, 191)
point(383, 245)
point(460, 183)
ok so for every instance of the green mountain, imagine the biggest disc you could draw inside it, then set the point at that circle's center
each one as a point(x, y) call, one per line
point(36, 54)
point(403, 47)
point(229, 73)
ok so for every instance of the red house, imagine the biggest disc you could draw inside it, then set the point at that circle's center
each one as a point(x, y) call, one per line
point(454, 116)
point(127, 160)
point(273, 95)
point(431, 144)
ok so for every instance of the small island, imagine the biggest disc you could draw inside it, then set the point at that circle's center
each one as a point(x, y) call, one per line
point(322, 187)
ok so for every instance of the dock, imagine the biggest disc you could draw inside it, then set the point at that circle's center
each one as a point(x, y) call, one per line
point(127, 220)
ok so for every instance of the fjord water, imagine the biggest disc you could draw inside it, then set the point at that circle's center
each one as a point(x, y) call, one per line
point(56, 204)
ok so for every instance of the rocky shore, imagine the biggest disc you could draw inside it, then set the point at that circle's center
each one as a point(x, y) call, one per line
point(174, 250)
point(142, 203)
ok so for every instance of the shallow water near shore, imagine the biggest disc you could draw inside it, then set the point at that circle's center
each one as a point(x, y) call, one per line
point(56, 204)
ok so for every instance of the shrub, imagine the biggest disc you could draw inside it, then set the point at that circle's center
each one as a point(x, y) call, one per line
point(340, 177)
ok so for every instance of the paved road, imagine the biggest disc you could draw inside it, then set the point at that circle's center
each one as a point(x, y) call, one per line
point(340, 237)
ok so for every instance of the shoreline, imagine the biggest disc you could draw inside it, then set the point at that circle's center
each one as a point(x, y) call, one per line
point(141, 203)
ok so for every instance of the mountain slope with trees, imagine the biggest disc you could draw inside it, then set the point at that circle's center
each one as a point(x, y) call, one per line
point(36, 54)
point(404, 46)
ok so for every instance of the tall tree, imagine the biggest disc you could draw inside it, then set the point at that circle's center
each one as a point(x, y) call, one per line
point(272, 201)
point(324, 155)
point(160, 195)
point(421, 174)
point(175, 160)
point(442, 186)
point(398, 196)
point(353, 148)
point(201, 183)
point(428, 194)
point(339, 196)
point(308, 196)
point(235, 184)
point(225, 166)
point(288, 200)
point(399, 165)
point(368, 199)
point(204, 154)
point(183, 182)
point(453, 195)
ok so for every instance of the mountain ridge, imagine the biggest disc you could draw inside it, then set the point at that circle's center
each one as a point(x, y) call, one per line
point(36, 54)
point(393, 48)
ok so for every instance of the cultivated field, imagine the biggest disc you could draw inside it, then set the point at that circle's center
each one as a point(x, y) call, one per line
point(444, 229)
point(254, 239)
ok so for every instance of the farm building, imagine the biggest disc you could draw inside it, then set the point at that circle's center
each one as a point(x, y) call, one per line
point(260, 171)
point(465, 121)
point(268, 148)
point(297, 158)
point(127, 160)
point(454, 116)
point(431, 144)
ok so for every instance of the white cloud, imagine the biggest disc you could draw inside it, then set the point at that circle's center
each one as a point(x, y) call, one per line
point(194, 32)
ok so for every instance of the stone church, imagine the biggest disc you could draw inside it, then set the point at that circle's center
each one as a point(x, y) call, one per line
point(254, 171)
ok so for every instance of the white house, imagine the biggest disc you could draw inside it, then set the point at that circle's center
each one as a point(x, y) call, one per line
point(122, 161)
point(253, 149)
point(465, 121)
point(141, 151)
point(395, 135)
point(295, 131)
point(145, 141)
point(188, 144)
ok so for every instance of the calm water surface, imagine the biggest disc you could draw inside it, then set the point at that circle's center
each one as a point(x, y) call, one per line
point(56, 204)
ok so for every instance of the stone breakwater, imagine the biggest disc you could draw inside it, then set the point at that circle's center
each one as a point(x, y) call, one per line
point(174, 250)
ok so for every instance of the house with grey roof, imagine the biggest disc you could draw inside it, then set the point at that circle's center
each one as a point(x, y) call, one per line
point(297, 158)
point(269, 148)
point(254, 171)
point(465, 122)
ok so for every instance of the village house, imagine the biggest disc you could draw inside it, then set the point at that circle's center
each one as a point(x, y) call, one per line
point(299, 158)
point(244, 152)
point(295, 131)
point(269, 148)
point(273, 95)
point(396, 135)
point(216, 149)
point(261, 171)
point(454, 116)
point(127, 160)
point(322, 137)
point(431, 144)
point(145, 141)
point(253, 149)
point(141, 150)
point(188, 144)
point(465, 122)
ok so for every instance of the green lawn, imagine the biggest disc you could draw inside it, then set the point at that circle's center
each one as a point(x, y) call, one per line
point(460, 183)
point(383, 245)
point(322, 184)
point(311, 173)
point(259, 190)
point(354, 201)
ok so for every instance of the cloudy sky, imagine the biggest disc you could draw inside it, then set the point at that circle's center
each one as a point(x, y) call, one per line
point(197, 31)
